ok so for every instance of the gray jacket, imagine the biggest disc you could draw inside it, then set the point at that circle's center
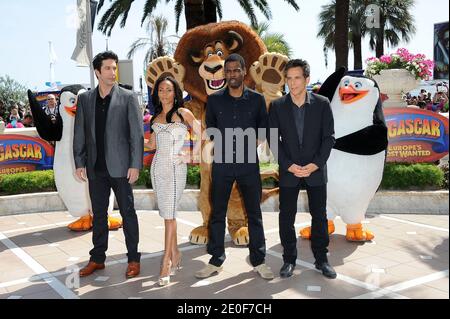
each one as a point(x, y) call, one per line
point(124, 133)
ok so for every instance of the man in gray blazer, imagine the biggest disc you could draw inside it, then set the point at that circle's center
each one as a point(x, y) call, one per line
point(108, 145)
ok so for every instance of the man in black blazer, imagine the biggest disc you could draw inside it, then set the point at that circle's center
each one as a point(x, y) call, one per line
point(304, 126)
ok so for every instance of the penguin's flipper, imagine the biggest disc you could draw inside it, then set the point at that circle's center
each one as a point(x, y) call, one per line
point(368, 141)
point(46, 129)
point(330, 85)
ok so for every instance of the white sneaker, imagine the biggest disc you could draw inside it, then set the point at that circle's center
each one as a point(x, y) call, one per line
point(264, 271)
point(208, 271)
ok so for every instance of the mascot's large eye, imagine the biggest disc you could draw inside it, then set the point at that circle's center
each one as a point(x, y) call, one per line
point(72, 100)
point(219, 53)
point(358, 85)
point(346, 83)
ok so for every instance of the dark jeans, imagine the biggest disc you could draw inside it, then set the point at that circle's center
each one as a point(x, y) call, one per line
point(250, 187)
point(317, 198)
point(99, 190)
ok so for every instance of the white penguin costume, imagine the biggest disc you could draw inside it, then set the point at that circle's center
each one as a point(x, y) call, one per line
point(356, 163)
point(74, 193)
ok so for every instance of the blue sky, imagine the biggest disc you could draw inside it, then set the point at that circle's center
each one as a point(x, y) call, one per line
point(27, 26)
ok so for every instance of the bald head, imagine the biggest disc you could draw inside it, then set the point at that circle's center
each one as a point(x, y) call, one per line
point(51, 100)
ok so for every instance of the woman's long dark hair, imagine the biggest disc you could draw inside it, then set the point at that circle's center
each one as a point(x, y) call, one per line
point(179, 102)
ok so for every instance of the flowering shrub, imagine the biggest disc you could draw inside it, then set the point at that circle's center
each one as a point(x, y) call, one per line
point(417, 64)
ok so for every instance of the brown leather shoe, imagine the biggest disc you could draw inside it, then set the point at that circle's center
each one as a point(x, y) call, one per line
point(133, 269)
point(90, 268)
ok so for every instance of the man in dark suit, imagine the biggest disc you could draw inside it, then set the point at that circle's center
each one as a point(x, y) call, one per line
point(234, 116)
point(304, 126)
point(108, 143)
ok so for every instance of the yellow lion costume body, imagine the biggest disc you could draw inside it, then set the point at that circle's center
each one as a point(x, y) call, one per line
point(198, 65)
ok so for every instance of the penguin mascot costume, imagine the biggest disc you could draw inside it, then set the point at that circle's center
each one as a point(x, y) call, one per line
point(356, 162)
point(60, 128)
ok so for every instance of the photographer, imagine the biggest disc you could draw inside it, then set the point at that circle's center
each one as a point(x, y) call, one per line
point(440, 97)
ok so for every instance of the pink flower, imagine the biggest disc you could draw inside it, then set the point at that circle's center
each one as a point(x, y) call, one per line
point(372, 59)
point(386, 59)
point(417, 64)
point(402, 51)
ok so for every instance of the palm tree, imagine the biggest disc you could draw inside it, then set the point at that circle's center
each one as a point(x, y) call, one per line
point(341, 33)
point(396, 23)
point(357, 28)
point(197, 12)
point(400, 24)
point(11, 93)
point(157, 44)
point(274, 42)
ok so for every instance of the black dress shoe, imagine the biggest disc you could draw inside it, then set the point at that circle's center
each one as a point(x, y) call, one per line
point(287, 270)
point(326, 269)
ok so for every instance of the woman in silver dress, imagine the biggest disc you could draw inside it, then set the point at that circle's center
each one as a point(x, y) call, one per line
point(169, 127)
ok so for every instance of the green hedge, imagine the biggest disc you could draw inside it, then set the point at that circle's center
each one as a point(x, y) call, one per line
point(412, 176)
point(193, 177)
point(396, 176)
point(30, 182)
point(144, 178)
point(444, 168)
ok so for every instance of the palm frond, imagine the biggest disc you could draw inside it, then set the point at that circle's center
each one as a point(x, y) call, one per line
point(178, 10)
point(264, 7)
point(219, 8)
point(294, 4)
point(250, 11)
point(138, 45)
point(149, 6)
point(275, 42)
point(109, 19)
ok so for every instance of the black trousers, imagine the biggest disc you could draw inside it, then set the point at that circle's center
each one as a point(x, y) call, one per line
point(317, 198)
point(251, 189)
point(99, 190)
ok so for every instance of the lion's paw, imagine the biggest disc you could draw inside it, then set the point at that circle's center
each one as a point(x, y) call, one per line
point(268, 72)
point(164, 66)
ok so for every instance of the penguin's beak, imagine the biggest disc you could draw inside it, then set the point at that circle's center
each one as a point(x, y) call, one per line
point(349, 94)
point(71, 110)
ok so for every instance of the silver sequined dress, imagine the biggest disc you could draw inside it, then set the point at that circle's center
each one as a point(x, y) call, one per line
point(168, 178)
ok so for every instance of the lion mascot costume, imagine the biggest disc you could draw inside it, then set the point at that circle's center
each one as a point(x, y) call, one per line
point(198, 65)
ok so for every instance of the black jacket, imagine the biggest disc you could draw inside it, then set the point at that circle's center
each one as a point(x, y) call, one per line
point(224, 112)
point(318, 138)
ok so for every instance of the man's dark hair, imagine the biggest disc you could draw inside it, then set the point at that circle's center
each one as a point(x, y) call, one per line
point(296, 63)
point(236, 58)
point(28, 116)
point(99, 58)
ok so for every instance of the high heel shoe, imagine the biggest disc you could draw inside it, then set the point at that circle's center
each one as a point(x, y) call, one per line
point(176, 266)
point(165, 280)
